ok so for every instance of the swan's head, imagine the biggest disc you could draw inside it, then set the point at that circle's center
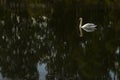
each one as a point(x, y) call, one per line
point(80, 18)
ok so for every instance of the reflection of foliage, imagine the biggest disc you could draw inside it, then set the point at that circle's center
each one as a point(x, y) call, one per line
point(22, 43)
point(92, 58)
point(67, 56)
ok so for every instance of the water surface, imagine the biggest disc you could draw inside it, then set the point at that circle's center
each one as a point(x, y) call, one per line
point(41, 42)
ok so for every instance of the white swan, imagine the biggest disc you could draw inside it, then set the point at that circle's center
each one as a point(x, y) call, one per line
point(88, 27)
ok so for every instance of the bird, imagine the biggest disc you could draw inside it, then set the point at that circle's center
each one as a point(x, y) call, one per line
point(88, 27)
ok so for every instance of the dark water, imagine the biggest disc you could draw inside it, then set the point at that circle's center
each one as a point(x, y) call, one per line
point(41, 42)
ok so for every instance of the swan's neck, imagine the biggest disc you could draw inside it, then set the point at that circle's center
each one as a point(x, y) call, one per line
point(80, 25)
point(80, 22)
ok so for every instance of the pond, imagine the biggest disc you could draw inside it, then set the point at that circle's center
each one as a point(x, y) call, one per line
point(42, 42)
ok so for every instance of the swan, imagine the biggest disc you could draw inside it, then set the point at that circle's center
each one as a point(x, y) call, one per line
point(88, 27)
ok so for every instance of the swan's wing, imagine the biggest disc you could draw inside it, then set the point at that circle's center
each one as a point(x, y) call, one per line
point(89, 27)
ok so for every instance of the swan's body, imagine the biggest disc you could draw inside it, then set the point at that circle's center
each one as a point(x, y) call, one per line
point(88, 27)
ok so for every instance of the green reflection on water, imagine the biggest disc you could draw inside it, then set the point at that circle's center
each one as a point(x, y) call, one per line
point(26, 40)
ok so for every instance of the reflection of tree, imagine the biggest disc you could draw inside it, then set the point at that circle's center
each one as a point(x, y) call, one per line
point(90, 57)
point(22, 43)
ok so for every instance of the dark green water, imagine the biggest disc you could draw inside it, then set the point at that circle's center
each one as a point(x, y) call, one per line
point(34, 48)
